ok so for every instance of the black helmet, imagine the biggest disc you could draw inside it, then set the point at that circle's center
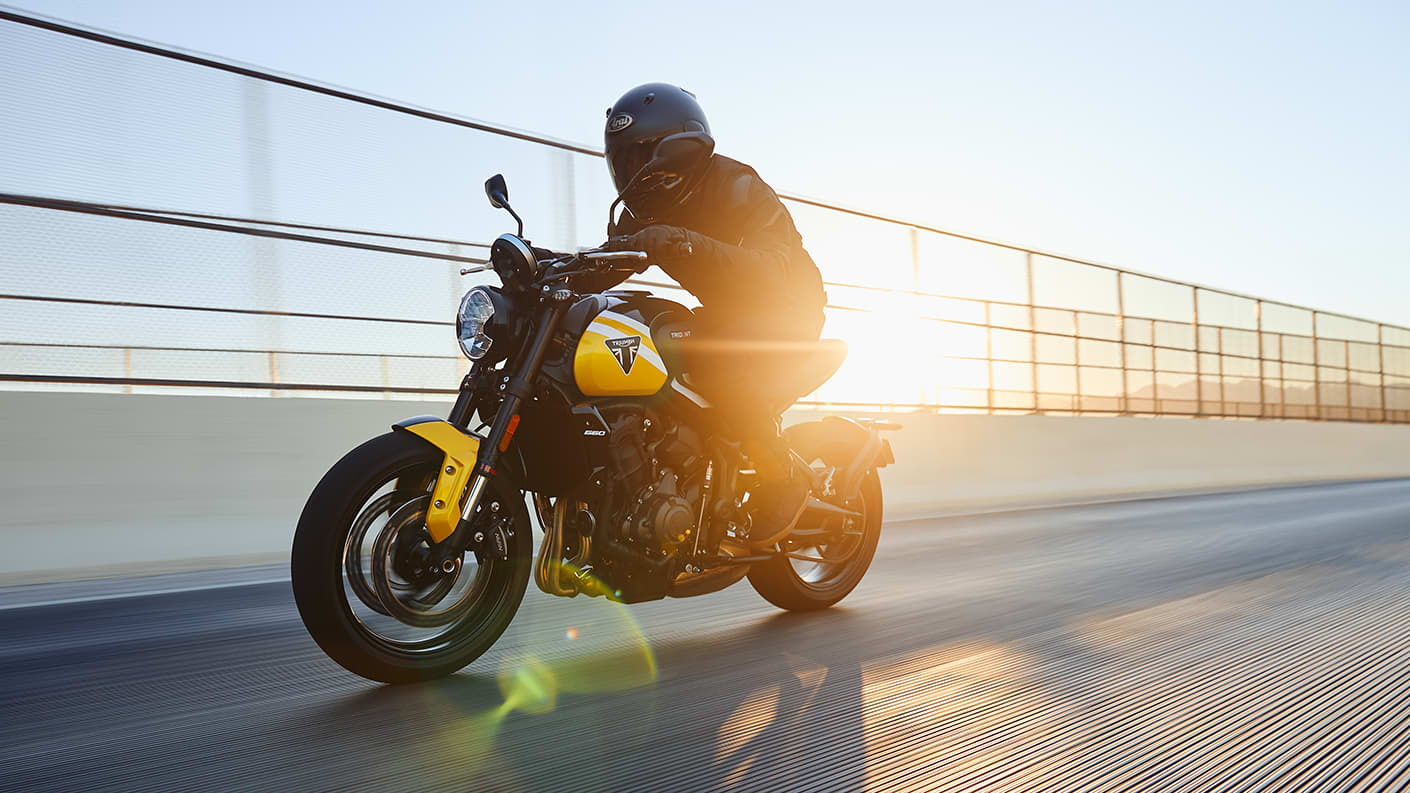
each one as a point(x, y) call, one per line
point(640, 119)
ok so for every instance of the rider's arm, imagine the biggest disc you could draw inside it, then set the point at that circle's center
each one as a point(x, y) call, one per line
point(767, 260)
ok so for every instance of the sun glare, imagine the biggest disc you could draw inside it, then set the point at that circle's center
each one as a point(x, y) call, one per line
point(899, 352)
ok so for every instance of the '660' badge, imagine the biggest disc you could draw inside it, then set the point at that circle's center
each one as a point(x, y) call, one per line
point(619, 122)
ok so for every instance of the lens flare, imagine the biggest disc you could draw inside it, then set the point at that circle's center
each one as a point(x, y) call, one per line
point(603, 651)
point(528, 685)
point(608, 653)
point(614, 655)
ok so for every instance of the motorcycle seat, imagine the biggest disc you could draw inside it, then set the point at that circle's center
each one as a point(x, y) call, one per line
point(777, 372)
point(817, 366)
point(801, 370)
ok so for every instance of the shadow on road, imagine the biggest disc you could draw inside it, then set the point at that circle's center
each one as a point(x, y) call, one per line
point(746, 705)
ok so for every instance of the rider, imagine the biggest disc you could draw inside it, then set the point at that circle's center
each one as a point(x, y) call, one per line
point(761, 295)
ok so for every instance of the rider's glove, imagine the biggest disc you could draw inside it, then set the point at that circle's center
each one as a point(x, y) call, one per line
point(663, 244)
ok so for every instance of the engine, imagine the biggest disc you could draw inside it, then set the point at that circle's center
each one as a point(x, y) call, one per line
point(658, 469)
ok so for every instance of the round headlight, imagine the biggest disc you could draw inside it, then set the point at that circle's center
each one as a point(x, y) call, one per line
point(472, 323)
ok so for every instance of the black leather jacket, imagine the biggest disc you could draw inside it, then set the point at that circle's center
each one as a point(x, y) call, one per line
point(748, 267)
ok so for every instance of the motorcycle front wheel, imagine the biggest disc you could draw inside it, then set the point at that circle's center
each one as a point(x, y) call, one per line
point(361, 539)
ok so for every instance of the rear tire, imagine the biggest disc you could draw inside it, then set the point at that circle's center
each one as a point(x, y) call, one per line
point(318, 567)
point(781, 583)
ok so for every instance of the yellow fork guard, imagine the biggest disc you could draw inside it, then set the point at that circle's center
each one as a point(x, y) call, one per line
point(443, 515)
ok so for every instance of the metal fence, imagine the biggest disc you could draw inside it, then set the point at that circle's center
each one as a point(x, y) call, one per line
point(175, 222)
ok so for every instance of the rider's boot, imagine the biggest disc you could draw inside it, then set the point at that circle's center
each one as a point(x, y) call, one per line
point(782, 497)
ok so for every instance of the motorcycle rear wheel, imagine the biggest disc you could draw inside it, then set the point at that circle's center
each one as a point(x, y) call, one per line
point(812, 577)
point(342, 614)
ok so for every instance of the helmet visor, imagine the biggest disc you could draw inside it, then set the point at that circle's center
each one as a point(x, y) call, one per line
point(625, 160)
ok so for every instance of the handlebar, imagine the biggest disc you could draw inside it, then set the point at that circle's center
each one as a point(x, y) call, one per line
point(600, 255)
point(681, 249)
point(598, 259)
point(594, 259)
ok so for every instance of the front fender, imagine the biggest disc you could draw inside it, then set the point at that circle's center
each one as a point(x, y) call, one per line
point(461, 449)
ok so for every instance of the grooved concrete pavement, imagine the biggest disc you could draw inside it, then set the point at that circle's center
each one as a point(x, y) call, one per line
point(1242, 641)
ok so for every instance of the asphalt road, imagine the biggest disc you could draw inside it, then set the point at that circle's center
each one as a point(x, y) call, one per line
point(1232, 642)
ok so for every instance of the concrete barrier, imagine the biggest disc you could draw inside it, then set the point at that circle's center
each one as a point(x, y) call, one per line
point(952, 463)
point(96, 484)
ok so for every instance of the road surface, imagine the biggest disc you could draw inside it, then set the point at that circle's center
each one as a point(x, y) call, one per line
point(1243, 641)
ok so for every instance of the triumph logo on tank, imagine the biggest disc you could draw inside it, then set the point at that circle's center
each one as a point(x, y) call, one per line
point(625, 351)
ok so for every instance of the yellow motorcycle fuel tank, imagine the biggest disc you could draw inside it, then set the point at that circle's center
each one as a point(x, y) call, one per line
point(616, 357)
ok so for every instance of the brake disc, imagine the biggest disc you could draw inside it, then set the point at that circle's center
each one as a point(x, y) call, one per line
point(352, 554)
point(413, 605)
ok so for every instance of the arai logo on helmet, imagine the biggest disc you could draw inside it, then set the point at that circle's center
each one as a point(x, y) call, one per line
point(619, 122)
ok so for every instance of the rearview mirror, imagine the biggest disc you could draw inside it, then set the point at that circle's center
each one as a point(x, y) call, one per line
point(497, 191)
point(498, 194)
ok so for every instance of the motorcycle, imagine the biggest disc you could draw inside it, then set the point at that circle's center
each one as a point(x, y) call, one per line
point(414, 551)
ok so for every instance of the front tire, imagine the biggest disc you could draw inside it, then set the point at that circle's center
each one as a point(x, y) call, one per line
point(342, 616)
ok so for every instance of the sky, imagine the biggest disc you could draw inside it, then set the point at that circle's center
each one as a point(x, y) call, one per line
point(1259, 147)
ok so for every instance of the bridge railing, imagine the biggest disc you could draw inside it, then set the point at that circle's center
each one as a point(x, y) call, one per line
point(176, 222)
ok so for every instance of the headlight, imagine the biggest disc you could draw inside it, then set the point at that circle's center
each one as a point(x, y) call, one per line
point(472, 323)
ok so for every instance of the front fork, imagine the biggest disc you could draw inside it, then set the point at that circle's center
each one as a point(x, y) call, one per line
point(516, 389)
